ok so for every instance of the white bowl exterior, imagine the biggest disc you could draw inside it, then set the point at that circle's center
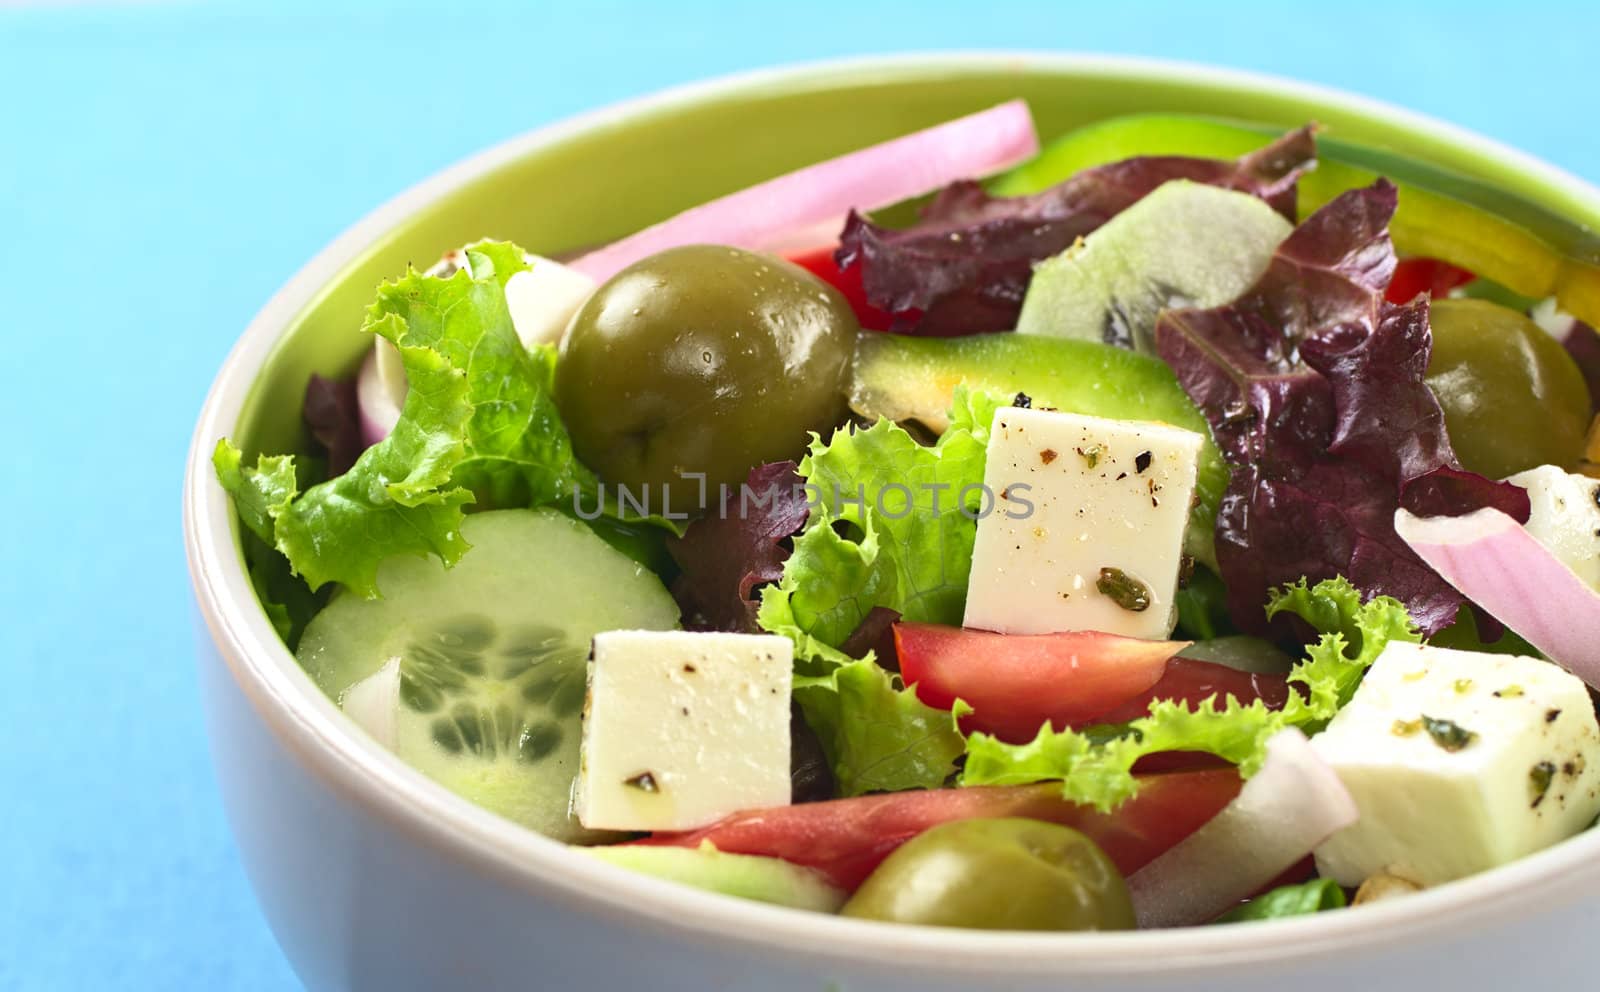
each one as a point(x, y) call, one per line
point(358, 902)
point(373, 877)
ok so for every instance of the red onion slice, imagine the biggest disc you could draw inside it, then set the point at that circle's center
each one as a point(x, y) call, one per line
point(1580, 340)
point(812, 202)
point(1496, 563)
point(1293, 804)
point(380, 409)
point(374, 703)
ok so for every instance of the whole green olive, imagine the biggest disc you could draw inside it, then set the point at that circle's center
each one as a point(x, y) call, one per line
point(703, 359)
point(1512, 396)
point(1004, 874)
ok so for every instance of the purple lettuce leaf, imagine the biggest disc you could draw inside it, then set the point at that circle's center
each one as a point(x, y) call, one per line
point(1264, 411)
point(334, 419)
point(1448, 491)
point(875, 634)
point(1378, 368)
point(965, 266)
point(725, 558)
point(1336, 519)
point(1314, 389)
point(1582, 343)
point(1331, 271)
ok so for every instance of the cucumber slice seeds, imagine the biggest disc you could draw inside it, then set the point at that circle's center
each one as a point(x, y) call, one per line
point(492, 656)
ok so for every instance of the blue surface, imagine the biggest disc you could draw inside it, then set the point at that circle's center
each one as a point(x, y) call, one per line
point(163, 168)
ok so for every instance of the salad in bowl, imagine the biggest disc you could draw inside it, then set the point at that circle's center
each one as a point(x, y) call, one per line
point(1173, 524)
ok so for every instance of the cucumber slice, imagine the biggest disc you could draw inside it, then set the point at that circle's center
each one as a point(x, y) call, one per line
point(747, 876)
point(492, 657)
point(1478, 226)
point(1184, 245)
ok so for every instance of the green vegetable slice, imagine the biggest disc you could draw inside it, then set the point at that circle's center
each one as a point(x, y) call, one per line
point(490, 656)
point(747, 876)
point(1441, 215)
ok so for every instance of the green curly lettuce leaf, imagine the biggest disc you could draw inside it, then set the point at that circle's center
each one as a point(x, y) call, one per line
point(288, 602)
point(1095, 766)
point(1352, 635)
point(515, 450)
point(479, 426)
point(261, 494)
point(890, 525)
point(878, 736)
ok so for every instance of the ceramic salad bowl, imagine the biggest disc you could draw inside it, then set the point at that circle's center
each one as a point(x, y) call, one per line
point(373, 876)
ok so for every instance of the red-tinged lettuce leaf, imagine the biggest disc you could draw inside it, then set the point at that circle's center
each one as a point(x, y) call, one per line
point(333, 416)
point(1225, 360)
point(1583, 344)
point(810, 774)
point(1386, 417)
point(875, 636)
point(965, 266)
point(1453, 492)
point(1330, 272)
point(1337, 519)
point(1580, 339)
point(1313, 386)
point(1389, 420)
point(726, 556)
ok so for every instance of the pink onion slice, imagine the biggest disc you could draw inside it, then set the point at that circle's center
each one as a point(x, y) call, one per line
point(812, 202)
point(1496, 563)
point(1293, 804)
point(380, 411)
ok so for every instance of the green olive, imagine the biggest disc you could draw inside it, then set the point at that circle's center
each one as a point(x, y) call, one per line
point(703, 359)
point(1512, 396)
point(1007, 874)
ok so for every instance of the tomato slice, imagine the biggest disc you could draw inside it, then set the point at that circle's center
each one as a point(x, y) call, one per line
point(1016, 682)
point(845, 839)
point(1415, 276)
point(819, 262)
point(1189, 680)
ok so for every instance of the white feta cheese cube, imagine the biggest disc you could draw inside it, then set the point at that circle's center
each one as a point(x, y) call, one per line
point(680, 729)
point(1459, 761)
point(543, 299)
point(1086, 530)
point(1565, 517)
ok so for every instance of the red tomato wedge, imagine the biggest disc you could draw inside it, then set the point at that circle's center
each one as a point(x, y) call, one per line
point(1415, 276)
point(1015, 682)
point(1188, 680)
point(819, 262)
point(845, 839)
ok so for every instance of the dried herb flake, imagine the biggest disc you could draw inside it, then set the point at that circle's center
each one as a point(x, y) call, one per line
point(1447, 733)
point(1539, 778)
point(1123, 589)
